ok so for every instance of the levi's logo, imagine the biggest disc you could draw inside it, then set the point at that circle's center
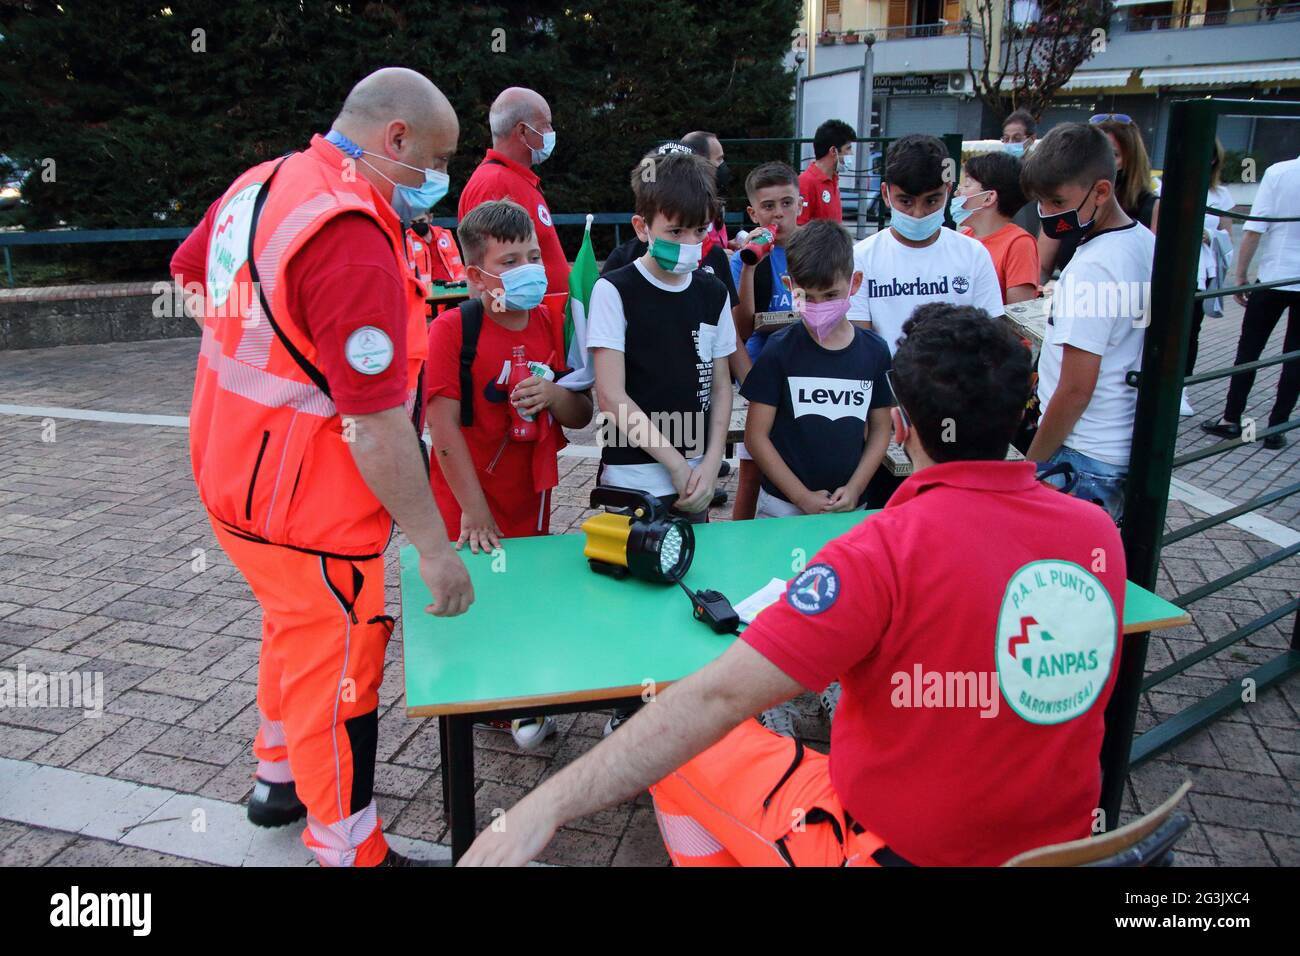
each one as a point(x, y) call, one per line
point(830, 397)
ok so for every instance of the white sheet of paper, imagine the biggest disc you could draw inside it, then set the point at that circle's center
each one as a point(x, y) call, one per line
point(769, 593)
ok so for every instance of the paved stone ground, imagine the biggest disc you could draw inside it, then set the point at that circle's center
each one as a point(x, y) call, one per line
point(97, 534)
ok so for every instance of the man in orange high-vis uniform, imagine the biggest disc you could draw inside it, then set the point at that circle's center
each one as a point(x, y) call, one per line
point(433, 252)
point(304, 438)
point(433, 256)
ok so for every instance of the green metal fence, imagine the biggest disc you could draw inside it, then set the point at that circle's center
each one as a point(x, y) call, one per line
point(1192, 125)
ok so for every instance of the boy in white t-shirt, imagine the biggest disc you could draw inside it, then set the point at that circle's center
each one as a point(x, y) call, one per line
point(660, 331)
point(1098, 321)
point(916, 260)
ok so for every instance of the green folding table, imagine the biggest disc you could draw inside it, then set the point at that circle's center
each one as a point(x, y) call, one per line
point(546, 635)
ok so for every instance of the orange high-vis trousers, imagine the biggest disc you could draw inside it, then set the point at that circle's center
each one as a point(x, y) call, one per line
point(323, 638)
point(756, 798)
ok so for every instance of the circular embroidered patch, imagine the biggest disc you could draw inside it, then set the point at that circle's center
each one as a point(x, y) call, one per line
point(443, 242)
point(543, 214)
point(369, 350)
point(1055, 641)
point(826, 195)
point(814, 590)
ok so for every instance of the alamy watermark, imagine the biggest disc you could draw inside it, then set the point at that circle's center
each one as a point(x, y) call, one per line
point(55, 689)
point(919, 688)
point(685, 431)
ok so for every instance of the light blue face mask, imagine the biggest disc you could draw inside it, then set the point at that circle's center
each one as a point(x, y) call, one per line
point(548, 144)
point(408, 201)
point(523, 286)
point(958, 210)
point(913, 228)
point(1015, 149)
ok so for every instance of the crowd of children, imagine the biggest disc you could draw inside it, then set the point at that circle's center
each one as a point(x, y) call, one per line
point(672, 329)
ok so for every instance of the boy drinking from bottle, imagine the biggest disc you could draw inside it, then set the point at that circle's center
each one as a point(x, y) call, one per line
point(762, 283)
point(497, 430)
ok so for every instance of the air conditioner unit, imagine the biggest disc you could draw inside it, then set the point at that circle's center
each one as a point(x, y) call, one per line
point(958, 83)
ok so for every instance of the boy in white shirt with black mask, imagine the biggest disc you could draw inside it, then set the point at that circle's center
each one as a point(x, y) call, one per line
point(1098, 322)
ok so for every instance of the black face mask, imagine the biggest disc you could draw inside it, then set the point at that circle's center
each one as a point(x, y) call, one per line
point(722, 176)
point(421, 228)
point(1059, 225)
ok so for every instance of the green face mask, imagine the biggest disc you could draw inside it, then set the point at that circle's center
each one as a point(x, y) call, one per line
point(678, 257)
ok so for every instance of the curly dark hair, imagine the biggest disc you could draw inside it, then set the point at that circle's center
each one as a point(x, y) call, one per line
point(963, 379)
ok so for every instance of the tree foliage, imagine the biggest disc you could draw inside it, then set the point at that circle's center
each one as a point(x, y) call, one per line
point(1023, 65)
point(149, 110)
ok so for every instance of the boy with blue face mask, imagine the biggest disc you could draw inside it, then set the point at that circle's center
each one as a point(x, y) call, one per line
point(916, 260)
point(487, 485)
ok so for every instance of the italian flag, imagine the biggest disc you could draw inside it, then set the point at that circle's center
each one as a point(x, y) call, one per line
point(582, 277)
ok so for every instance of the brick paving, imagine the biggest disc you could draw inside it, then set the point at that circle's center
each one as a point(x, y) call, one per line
point(99, 532)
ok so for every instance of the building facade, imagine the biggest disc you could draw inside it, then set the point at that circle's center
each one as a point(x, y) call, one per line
point(1151, 55)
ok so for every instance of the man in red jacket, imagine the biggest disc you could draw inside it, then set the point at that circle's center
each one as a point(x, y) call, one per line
point(522, 137)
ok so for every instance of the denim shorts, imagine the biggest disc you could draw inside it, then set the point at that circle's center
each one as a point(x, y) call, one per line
point(1096, 481)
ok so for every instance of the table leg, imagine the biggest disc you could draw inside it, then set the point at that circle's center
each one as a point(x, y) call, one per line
point(443, 769)
point(460, 753)
point(1121, 718)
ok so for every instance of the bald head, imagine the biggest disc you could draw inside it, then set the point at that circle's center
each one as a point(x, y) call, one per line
point(514, 106)
point(399, 114)
point(393, 93)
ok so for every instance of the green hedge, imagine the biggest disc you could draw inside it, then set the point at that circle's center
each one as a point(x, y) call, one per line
point(147, 129)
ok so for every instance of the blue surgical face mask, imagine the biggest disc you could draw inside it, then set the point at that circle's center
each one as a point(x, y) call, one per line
point(523, 286)
point(548, 144)
point(914, 228)
point(408, 201)
point(1015, 149)
point(957, 207)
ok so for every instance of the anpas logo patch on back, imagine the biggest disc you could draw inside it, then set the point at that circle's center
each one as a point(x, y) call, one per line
point(1056, 641)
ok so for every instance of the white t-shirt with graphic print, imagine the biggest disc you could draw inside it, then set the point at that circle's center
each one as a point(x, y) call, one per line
point(897, 278)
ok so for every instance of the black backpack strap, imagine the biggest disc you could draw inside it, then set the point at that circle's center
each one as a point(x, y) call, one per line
point(471, 323)
point(311, 371)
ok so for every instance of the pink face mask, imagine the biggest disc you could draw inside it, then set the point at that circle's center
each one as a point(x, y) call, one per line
point(821, 317)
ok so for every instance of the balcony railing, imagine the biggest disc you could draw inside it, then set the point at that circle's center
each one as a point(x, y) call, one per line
point(909, 31)
point(1190, 21)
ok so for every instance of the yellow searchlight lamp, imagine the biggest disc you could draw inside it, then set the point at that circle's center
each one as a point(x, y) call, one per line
point(642, 540)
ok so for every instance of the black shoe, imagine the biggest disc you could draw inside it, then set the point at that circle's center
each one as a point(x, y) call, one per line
point(274, 804)
point(1275, 442)
point(719, 499)
point(393, 858)
point(1215, 426)
point(725, 469)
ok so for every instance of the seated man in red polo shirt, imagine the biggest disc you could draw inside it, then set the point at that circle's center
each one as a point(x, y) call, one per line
point(973, 624)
